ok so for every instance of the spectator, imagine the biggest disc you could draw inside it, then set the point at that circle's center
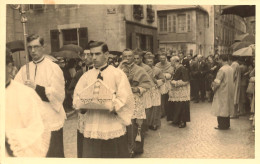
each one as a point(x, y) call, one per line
point(223, 101)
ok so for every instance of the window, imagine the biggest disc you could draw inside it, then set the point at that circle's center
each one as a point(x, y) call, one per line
point(163, 23)
point(189, 22)
point(169, 23)
point(70, 36)
point(182, 23)
point(138, 12)
point(174, 24)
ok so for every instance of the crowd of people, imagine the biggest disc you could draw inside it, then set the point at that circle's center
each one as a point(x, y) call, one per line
point(119, 99)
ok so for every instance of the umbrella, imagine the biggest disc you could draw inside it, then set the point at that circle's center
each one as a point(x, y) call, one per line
point(247, 51)
point(238, 45)
point(72, 47)
point(66, 54)
point(240, 10)
point(17, 45)
point(246, 38)
point(52, 58)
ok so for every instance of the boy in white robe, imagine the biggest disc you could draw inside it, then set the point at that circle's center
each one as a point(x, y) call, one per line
point(46, 78)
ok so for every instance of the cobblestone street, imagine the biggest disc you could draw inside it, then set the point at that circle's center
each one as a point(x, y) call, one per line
point(198, 140)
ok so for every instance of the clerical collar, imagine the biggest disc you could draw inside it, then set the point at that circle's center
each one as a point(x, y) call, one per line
point(7, 84)
point(38, 61)
point(102, 68)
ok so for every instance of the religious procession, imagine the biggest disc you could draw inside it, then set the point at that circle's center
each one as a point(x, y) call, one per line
point(123, 89)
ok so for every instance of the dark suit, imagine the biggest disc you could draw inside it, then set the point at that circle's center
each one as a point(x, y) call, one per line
point(203, 69)
point(194, 74)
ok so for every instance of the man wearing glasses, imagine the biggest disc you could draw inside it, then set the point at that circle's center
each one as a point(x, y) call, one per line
point(46, 78)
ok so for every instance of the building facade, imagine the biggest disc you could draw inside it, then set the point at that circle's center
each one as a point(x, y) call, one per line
point(120, 26)
point(182, 29)
point(226, 28)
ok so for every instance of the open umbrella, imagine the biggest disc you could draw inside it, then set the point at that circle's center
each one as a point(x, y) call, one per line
point(72, 47)
point(240, 10)
point(247, 51)
point(238, 45)
point(246, 38)
point(17, 45)
point(66, 54)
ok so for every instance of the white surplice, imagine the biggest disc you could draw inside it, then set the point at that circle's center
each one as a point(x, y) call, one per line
point(24, 129)
point(49, 75)
point(106, 125)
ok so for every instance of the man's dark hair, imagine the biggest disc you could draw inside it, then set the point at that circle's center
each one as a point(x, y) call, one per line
point(162, 54)
point(224, 57)
point(139, 52)
point(127, 49)
point(34, 37)
point(103, 45)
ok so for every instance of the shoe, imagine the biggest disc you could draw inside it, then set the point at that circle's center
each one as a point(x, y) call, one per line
point(176, 123)
point(154, 127)
point(182, 125)
point(217, 128)
point(132, 154)
point(196, 101)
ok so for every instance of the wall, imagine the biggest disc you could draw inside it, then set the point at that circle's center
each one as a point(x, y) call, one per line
point(101, 26)
point(128, 10)
point(190, 40)
point(209, 37)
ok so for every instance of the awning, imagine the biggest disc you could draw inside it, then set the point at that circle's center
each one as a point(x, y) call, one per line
point(240, 10)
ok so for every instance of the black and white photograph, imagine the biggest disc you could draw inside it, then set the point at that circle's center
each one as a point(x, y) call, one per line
point(133, 81)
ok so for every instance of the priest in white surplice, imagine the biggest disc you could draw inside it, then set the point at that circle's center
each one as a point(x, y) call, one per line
point(104, 130)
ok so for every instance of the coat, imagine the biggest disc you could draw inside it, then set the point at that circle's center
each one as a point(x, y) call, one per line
point(223, 101)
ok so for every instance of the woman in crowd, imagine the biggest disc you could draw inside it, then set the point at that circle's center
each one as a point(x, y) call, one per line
point(179, 94)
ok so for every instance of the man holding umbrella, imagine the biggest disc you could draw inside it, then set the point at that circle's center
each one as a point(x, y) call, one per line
point(46, 78)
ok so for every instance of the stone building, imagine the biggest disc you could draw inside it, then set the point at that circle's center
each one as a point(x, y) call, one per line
point(182, 28)
point(226, 28)
point(120, 26)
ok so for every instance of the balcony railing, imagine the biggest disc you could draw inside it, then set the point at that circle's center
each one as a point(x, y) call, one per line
point(138, 12)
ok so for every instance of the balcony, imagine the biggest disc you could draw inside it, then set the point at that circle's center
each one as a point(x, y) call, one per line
point(138, 12)
point(150, 15)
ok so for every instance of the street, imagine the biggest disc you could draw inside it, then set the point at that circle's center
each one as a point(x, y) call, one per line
point(198, 140)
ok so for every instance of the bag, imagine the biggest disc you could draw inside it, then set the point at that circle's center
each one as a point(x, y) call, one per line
point(250, 89)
